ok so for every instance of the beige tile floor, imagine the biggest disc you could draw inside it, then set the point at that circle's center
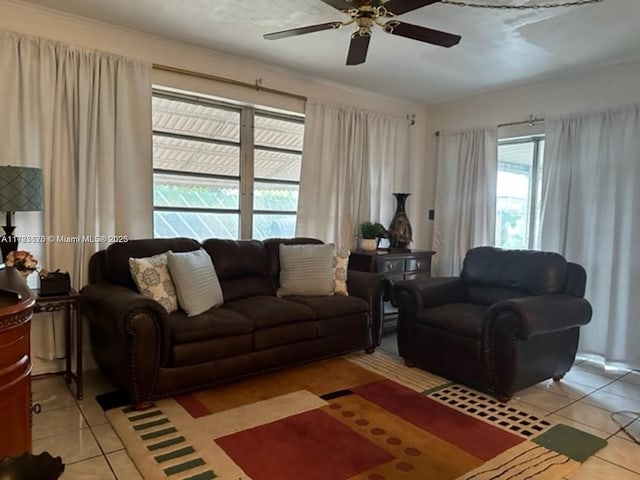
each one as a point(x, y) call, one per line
point(78, 430)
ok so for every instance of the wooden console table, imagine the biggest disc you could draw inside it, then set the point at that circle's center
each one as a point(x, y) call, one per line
point(405, 265)
point(67, 302)
point(15, 365)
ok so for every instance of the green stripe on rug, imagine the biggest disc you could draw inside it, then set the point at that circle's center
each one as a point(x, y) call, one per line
point(165, 443)
point(196, 462)
point(159, 433)
point(439, 387)
point(143, 416)
point(571, 442)
point(155, 423)
point(208, 475)
point(175, 454)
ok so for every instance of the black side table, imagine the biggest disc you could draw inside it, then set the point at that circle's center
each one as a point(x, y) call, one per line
point(67, 302)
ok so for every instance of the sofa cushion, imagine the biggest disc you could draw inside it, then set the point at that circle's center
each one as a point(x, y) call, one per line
point(214, 323)
point(211, 349)
point(333, 306)
point(116, 256)
point(153, 280)
point(242, 267)
point(527, 270)
point(306, 270)
point(334, 326)
point(284, 334)
point(196, 281)
point(464, 319)
point(267, 311)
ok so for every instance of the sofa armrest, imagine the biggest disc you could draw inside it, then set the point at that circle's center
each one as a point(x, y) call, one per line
point(540, 314)
point(111, 306)
point(372, 288)
point(140, 327)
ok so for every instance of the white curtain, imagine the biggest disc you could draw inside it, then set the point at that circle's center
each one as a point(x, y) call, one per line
point(591, 215)
point(465, 211)
point(352, 161)
point(84, 117)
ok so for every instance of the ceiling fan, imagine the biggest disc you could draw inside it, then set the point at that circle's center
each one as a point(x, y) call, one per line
point(367, 13)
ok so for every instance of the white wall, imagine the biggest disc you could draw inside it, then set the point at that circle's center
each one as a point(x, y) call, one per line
point(591, 90)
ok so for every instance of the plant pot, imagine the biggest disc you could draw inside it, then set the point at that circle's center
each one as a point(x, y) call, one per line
point(368, 244)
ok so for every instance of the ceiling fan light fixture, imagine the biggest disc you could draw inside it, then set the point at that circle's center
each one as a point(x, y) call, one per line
point(367, 13)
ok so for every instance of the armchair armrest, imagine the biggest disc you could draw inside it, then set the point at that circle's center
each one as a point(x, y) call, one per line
point(413, 296)
point(372, 288)
point(423, 293)
point(540, 314)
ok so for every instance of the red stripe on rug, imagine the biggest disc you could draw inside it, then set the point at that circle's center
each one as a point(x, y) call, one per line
point(467, 433)
point(310, 446)
point(192, 405)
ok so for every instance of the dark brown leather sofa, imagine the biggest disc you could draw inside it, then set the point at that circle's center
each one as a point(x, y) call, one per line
point(153, 354)
point(510, 320)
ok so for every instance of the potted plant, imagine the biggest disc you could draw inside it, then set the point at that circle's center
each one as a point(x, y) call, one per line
point(370, 234)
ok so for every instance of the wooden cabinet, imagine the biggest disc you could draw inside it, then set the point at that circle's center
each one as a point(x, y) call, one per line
point(395, 266)
point(15, 365)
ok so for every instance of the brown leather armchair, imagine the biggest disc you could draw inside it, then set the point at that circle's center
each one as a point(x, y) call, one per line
point(510, 320)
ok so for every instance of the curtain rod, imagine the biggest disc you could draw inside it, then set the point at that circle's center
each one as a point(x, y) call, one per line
point(257, 86)
point(532, 119)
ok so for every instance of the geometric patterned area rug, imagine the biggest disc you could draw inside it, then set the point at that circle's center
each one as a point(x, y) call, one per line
point(359, 417)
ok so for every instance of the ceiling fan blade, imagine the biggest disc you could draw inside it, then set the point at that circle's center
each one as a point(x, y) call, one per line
point(398, 7)
point(341, 5)
point(358, 49)
point(302, 30)
point(422, 34)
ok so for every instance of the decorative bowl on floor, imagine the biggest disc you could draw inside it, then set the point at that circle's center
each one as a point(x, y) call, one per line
point(31, 467)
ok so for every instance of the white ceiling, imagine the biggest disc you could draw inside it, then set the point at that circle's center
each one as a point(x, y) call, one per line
point(499, 48)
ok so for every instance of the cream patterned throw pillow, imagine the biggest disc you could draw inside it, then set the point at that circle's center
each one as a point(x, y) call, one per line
point(152, 278)
point(340, 266)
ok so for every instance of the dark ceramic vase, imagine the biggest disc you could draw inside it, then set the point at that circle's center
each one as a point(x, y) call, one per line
point(400, 233)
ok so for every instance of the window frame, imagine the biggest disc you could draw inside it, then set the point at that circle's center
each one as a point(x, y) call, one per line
point(247, 148)
point(535, 181)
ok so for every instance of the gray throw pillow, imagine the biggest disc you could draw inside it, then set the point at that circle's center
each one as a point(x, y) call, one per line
point(196, 281)
point(306, 270)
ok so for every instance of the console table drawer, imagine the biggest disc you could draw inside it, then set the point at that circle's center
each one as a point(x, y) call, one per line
point(418, 265)
point(390, 266)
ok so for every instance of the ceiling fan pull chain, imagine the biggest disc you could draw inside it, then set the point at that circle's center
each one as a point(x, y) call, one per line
point(571, 3)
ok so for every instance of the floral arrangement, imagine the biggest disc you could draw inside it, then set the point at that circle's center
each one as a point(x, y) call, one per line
point(22, 260)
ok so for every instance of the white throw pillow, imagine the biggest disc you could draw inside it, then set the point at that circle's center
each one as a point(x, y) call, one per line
point(306, 270)
point(340, 267)
point(196, 281)
point(151, 275)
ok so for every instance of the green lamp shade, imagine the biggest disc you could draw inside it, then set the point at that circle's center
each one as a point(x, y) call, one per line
point(20, 189)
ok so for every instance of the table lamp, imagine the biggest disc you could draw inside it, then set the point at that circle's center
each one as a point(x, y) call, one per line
point(20, 191)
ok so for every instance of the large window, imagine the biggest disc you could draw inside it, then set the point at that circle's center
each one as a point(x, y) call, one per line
point(222, 170)
point(518, 191)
